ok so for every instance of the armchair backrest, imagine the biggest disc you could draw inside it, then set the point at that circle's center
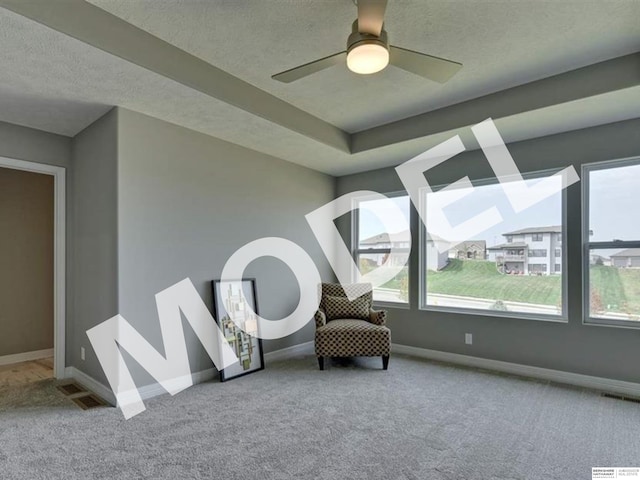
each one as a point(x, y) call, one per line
point(336, 290)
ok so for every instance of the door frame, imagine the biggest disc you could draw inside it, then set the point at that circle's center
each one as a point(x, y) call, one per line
point(59, 256)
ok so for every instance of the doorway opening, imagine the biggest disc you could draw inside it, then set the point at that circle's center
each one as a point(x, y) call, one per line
point(56, 302)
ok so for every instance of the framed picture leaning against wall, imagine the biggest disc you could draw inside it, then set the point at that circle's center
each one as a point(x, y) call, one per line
point(235, 307)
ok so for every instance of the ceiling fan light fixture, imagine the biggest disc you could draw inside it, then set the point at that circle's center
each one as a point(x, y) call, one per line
point(368, 57)
point(368, 51)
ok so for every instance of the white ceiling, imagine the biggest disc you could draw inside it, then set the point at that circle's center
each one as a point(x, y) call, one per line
point(56, 83)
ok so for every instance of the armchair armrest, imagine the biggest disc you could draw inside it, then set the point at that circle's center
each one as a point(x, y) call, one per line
point(320, 318)
point(378, 317)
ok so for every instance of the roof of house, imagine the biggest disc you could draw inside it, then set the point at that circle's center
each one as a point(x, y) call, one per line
point(472, 243)
point(629, 252)
point(403, 236)
point(551, 229)
point(508, 245)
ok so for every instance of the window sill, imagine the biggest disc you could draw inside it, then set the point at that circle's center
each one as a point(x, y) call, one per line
point(498, 314)
point(385, 305)
point(603, 322)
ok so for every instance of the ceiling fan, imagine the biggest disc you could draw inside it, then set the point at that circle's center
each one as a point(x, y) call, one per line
point(368, 51)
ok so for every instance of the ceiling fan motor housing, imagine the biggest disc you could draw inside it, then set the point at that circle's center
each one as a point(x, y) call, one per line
point(367, 53)
point(357, 38)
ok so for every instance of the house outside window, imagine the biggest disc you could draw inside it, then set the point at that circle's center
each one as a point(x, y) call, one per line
point(372, 247)
point(611, 242)
point(471, 250)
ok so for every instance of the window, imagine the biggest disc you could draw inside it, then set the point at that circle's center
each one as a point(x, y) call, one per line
point(536, 237)
point(538, 268)
point(611, 239)
point(510, 279)
point(558, 267)
point(373, 243)
point(558, 252)
point(559, 237)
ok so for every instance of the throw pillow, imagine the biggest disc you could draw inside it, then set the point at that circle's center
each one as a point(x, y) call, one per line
point(342, 307)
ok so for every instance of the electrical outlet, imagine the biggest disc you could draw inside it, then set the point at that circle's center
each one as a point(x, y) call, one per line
point(81, 353)
point(468, 338)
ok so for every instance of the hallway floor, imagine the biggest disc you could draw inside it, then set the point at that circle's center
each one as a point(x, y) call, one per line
point(26, 372)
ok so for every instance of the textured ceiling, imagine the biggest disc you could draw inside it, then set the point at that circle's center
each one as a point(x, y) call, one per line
point(56, 83)
point(500, 43)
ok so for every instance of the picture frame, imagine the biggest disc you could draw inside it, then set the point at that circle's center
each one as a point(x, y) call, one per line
point(238, 305)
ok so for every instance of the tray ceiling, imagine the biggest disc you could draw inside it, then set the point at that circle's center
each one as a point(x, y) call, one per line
point(58, 83)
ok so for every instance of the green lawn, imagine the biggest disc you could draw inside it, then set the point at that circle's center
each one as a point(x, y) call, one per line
point(480, 279)
point(615, 289)
point(631, 284)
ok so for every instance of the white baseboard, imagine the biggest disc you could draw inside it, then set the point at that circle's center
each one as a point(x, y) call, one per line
point(596, 383)
point(146, 392)
point(149, 391)
point(283, 353)
point(26, 356)
point(155, 389)
point(92, 384)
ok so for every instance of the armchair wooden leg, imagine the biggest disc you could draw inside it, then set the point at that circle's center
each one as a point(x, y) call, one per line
point(321, 362)
point(385, 361)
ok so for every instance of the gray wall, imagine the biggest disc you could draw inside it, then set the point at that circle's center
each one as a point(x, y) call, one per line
point(26, 259)
point(185, 203)
point(92, 246)
point(572, 347)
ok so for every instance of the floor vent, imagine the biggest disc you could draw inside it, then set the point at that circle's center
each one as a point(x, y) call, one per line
point(71, 389)
point(86, 402)
point(621, 397)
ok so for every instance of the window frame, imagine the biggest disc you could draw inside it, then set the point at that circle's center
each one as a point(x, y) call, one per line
point(587, 245)
point(562, 317)
point(356, 251)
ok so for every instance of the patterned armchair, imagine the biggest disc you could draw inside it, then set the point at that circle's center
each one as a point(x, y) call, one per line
point(347, 328)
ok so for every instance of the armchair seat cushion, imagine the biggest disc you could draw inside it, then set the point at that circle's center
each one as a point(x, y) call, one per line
point(352, 338)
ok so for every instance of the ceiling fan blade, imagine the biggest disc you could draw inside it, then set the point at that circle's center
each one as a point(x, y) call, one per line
point(371, 16)
point(297, 73)
point(437, 69)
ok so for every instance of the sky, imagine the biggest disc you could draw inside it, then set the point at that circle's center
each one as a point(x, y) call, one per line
point(615, 204)
point(369, 223)
point(545, 213)
point(614, 209)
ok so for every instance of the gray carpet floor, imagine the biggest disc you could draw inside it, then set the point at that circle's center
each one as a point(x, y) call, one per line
point(418, 420)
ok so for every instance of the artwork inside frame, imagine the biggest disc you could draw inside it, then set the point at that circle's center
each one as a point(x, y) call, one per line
point(235, 309)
